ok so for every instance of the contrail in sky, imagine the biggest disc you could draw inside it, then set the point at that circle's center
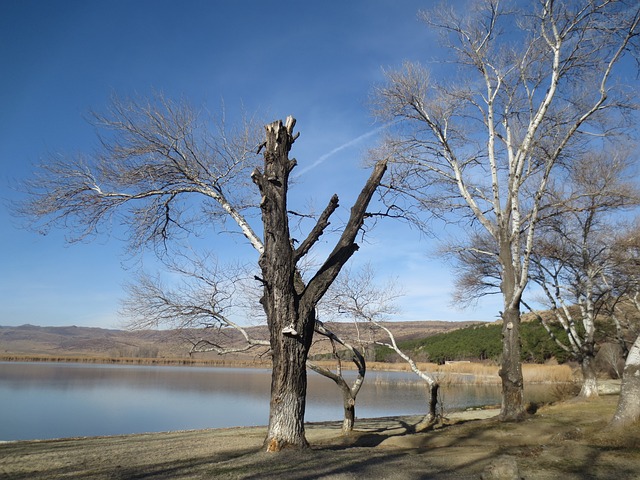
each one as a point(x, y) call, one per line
point(344, 146)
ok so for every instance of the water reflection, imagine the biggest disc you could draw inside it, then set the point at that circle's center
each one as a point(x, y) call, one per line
point(50, 400)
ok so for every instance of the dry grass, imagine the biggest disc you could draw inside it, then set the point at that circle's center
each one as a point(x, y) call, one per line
point(482, 373)
point(222, 362)
point(565, 441)
point(448, 374)
point(533, 373)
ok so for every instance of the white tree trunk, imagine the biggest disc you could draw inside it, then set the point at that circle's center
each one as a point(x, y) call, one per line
point(628, 411)
point(589, 379)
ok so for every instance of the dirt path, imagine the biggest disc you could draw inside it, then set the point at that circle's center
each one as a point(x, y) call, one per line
point(565, 441)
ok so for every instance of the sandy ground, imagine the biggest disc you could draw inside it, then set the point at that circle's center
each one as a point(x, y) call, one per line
point(563, 441)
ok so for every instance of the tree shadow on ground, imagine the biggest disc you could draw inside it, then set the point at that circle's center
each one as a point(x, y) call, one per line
point(568, 442)
point(372, 434)
point(67, 465)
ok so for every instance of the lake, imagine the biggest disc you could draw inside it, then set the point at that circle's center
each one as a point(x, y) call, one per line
point(54, 400)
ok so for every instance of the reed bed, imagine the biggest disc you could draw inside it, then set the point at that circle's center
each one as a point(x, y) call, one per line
point(534, 373)
point(135, 361)
point(483, 373)
point(468, 373)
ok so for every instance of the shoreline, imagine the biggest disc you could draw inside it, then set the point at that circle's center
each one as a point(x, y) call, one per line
point(567, 440)
point(474, 413)
point(478, 369)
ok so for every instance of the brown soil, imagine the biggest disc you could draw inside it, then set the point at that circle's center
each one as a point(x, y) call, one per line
point(563, 441)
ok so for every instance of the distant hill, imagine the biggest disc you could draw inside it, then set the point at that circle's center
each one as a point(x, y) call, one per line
point(88, 341)
point(72, 341)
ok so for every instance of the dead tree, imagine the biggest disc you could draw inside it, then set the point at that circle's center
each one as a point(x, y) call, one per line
point(289, 304)
point(155, 160)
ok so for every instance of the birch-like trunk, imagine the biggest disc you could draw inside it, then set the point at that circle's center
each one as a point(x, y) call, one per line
point(589, 378)
point(628, 410)
point(432, 417)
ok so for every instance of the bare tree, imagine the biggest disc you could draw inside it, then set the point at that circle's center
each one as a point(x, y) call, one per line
point(573, 255)
point(156, 160)
point(626, 283)
point(357, 296)
point(290, 305)
point(535, 84)
point(199, 307)
point(349, 392)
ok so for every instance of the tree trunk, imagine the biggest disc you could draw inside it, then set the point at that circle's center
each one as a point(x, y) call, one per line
point(511, 368)
point(349, 404)
point(433, 400)
point(290, 330)
point(288, 397)
point(289, 304)
point(628, 411)
point(589, 379)
point(349, 393)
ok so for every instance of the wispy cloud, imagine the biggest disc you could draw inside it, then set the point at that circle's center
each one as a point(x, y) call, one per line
point(344, 146)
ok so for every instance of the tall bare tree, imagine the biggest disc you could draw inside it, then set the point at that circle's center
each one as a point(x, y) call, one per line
point(156, 161)
point(534, 84)
point(289, 304)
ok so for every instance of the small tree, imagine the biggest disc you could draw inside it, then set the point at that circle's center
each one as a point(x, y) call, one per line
point(573, 255)
point(626, 283)
point(367, 304)
point(349, 392)
point(155, 160)
point(534, 85)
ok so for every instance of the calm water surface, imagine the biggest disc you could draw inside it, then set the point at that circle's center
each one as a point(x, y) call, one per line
point(52, 400)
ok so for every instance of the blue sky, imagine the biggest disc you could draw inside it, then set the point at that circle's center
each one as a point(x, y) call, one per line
point(317, 61)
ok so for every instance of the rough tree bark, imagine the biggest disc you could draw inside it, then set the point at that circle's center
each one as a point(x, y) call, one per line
point(511, 369)
point(289, 347)
point(288, 303)
point(512, 408)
